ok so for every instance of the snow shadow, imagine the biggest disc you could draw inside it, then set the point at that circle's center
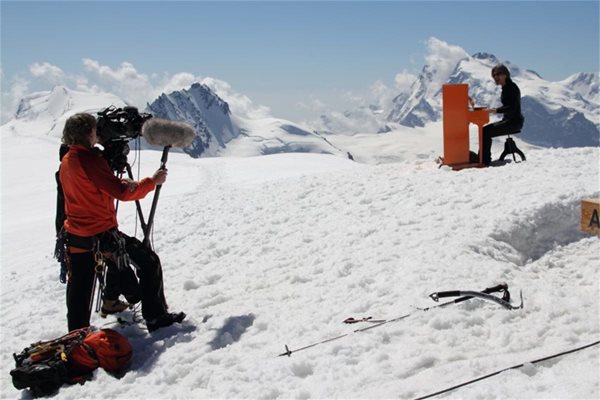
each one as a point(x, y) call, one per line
point(147, 348)
point(551, 226)
point(232, 331)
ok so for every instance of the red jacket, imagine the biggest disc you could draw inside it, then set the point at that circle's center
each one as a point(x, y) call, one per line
point(90, 189)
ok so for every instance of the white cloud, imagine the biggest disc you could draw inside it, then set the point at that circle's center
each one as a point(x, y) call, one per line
point(11, 98)
point(47, 72)
point(181, 80)
point(382, 95)
point(239, 103)
point(138, 89)
point(125, 71)
point(125, 81)
point(313, 105)
point(442, 58)
point(403, 80)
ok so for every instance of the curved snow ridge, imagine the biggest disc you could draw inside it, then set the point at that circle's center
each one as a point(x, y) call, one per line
point(541, 230)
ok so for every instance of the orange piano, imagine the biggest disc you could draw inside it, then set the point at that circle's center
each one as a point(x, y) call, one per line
point(457, 115)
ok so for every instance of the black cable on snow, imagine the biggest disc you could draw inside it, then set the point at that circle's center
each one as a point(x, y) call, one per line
point(506, 369)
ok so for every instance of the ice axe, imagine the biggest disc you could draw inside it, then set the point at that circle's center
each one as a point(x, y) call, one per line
point(166, 133)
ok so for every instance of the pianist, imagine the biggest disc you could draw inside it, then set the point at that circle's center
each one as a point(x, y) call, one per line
point(512, 120)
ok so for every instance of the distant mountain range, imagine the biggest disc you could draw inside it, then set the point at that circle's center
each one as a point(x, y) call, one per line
point(557, 114)
point(218, 131)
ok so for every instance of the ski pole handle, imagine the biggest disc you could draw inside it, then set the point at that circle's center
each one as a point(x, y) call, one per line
point(439, 295)
point(503, 287)
point(498, 288)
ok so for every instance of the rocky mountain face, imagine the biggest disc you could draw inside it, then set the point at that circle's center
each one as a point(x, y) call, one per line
point(205, 111)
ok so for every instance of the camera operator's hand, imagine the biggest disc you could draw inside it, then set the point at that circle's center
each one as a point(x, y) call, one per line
point(160, 176)
point(131, 184)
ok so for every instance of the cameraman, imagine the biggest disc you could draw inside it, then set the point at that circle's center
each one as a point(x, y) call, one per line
point(90, 189)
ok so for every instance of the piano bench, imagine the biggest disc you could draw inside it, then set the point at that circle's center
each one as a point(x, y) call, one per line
point(510, 147)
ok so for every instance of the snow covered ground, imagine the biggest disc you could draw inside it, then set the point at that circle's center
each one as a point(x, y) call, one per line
point(268, 251)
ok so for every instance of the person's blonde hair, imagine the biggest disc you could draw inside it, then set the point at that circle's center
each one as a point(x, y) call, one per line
point(78, 128)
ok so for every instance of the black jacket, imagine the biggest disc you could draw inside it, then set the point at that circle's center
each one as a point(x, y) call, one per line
point(511, 102)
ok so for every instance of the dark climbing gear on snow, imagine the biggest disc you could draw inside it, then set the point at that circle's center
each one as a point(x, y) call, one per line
point(100, 271)
point(504, 301)
point(60, 254)
point(45, 365)
point(352, 320)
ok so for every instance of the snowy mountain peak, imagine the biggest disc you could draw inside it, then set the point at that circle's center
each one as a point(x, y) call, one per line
point(204, 110)
point(61, 101)
point(220, 132)
point(53, 103)
point(584, 83)
point(486, 57)
point(201, 92)
point(44, 113)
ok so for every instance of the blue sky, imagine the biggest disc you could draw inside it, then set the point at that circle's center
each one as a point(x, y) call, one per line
point(287, 54)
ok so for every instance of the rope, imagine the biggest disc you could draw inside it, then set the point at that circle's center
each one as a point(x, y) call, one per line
point(506, 369)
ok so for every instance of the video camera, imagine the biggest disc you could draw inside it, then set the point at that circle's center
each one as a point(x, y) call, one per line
point(115, 127)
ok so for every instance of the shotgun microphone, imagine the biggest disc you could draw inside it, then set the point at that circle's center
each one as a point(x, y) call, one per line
point(164, 132)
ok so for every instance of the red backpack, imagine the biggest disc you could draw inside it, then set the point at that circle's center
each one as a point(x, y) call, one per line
point(107, 348)
point(45, 366)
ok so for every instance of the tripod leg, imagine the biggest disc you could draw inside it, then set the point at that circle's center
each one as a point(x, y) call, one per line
point(137, 202)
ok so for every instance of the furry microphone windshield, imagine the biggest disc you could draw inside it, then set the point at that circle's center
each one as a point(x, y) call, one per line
point(164, 132)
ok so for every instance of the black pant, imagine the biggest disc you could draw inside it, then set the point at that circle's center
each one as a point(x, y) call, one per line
point(121, 282)
point(149, 271)
point(492, 130)
point(82, 275)
point(79, 289)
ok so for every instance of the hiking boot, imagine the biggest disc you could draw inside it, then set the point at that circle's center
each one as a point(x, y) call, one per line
point(113, 307)
point(131, 298)
point(167, 319)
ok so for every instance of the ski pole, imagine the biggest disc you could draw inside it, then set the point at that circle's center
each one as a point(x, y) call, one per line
point(498, 288)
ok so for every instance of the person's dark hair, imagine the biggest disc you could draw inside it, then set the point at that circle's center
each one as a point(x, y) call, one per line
point(501, 69)
point(78, 128)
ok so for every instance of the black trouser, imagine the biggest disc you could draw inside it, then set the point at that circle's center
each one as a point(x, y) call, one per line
point(121, 282)
point(79, 289)
point(81, 282)
point(500, 128)
point(82, 275)
point(149, 272)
